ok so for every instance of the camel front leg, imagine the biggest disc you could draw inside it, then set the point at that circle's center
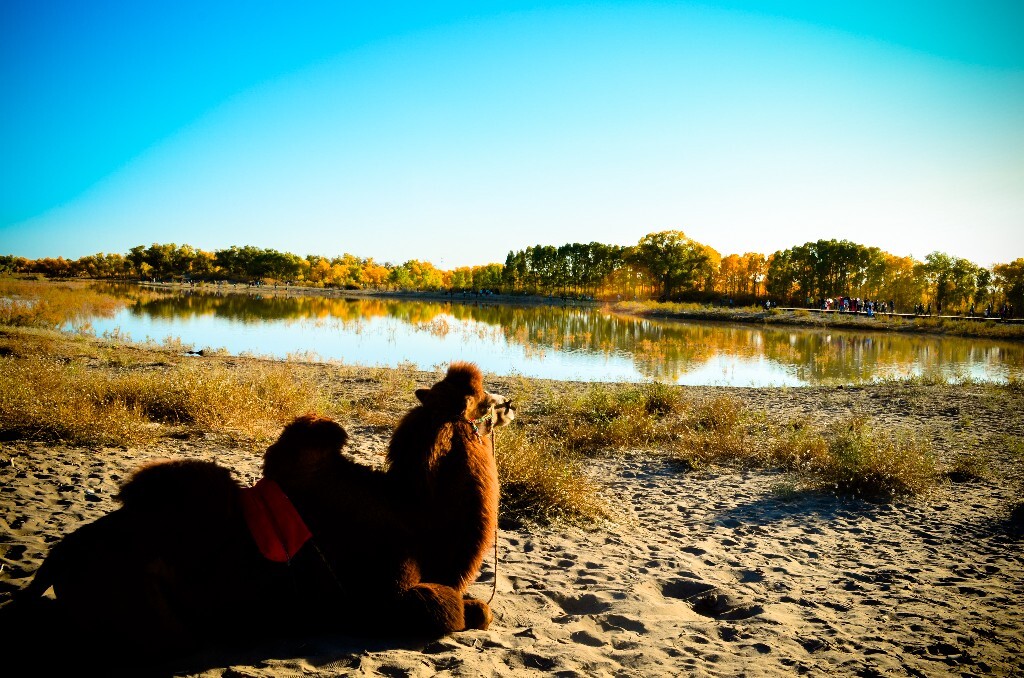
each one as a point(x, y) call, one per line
point(477, 614)
point(437, 610)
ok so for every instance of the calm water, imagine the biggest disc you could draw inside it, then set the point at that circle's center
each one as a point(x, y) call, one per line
point(555, 343)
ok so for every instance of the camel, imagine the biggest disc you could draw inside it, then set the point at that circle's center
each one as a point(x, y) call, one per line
point(389, 551)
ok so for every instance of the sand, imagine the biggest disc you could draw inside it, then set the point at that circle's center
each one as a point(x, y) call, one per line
point(707, 573)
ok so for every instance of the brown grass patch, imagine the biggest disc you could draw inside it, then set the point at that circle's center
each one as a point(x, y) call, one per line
point(60, 400)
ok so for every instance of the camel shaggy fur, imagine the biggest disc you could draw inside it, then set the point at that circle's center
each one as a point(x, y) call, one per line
point(392, 551)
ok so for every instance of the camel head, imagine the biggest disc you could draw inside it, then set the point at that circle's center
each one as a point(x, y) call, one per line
point(420, 441)
point(460, 395)
point(307, 448)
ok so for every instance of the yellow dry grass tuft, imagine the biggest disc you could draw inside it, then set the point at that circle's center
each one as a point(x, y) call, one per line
point(541, 483)
point(857, 461)
point(52, 399)
point(601, 417)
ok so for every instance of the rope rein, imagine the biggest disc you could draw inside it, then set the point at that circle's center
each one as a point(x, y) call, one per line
point(494, 584)
point(491, 417)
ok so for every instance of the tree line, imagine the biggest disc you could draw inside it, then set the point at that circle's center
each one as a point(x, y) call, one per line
point(666, 265)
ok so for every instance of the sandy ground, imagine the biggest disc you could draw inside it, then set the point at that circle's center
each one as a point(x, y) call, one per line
point(700, 573)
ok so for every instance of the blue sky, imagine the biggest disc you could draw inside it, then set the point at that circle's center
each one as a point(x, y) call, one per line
point(455, 132)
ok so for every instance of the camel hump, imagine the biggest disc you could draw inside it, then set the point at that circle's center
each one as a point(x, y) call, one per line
point(459, 392)
point(164, 483)
point(311, 430)
point(309, 445)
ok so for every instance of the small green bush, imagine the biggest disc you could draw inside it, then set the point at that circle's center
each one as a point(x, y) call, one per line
point(863, 463)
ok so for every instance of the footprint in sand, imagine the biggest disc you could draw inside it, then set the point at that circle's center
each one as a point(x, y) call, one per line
point(710, 601)
point(588, 603)
point(584, 637)
point(620, 622)
point(750, 576)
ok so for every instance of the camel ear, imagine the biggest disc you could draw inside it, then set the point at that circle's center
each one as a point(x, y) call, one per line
point(423, 395)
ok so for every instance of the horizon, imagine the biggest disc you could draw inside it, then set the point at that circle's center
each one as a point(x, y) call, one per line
point(458, 132)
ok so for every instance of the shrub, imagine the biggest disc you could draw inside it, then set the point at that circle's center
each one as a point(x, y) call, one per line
point(967, 467)
point(710, 431)
point(861, 463)
point(541, 483)
point(602, 417)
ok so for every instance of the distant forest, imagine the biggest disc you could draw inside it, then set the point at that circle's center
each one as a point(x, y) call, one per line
point(666, 265)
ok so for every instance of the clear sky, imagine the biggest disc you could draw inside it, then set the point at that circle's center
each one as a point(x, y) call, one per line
point(454, 132)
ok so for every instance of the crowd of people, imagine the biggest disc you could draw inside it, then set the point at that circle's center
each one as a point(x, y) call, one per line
point(1005, 311)
point(857, 305)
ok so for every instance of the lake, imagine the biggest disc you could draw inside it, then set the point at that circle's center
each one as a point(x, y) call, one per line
point(553, 342)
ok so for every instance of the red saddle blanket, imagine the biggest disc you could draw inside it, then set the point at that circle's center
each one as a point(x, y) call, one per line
point(276, 526)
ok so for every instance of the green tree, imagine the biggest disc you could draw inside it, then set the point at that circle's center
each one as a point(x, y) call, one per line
point(1008, 280)
point(137, 257)
point(952, 282)
point(673, 259)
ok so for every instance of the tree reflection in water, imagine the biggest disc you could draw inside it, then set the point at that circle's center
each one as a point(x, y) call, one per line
point(735, 354)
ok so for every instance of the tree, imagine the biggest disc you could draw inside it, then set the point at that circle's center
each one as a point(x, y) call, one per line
point(487, 277)
point(781, 278)
point(900, 284)
point(951, 281)
point(731, 275)
point(1009, 283)
point(161, 259)
point(137, 257)
point(673, 259)
point(756, 272)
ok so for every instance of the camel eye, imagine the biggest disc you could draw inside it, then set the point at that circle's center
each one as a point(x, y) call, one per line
point(507, 405)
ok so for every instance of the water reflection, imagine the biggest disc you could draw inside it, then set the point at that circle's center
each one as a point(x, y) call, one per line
point(553, 342)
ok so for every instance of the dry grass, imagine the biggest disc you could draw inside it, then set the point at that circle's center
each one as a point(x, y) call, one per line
point(46, 399)
point(719, 430)
point(392, 394)
point(543, 483)
point(855, 461)
point(849, 460)
point(27, 303)
point(968, 466)
point(53, 399)
point(601, 417)
point(712, 431)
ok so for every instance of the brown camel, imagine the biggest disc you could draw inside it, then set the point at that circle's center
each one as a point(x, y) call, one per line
point(390, 551)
